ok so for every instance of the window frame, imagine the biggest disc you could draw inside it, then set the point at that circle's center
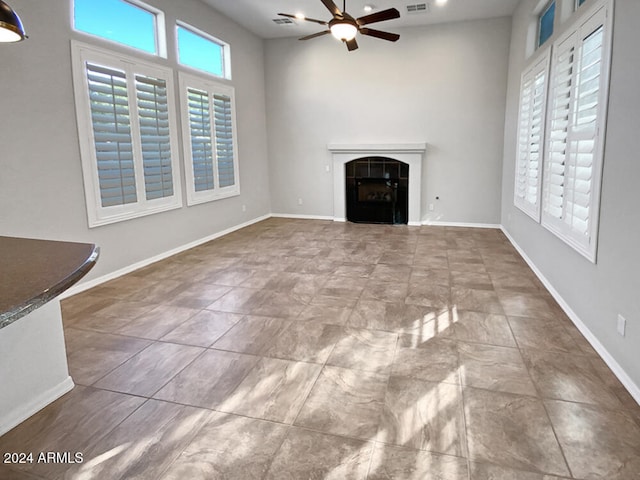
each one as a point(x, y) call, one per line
point(590, 22)
point(160, 30)
point(97, 214)
point(225, 47)
point(212, 87)
point(545, 10)
point(540, 65)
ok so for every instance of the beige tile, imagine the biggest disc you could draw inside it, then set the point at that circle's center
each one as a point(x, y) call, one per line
point(229, 447)
point(423, 416)
point(566, 376)
point(156, 323)
point(464, 298)
point(339, 286)
point(482, 327)
point(273, 390)
point(73, 423)
point(198, 295)
point(306, 454)
point(392, 317)
point(494, 368)
point(306, 342)
point(385, 291)
point(543, 334)
point(334, 315)
point(485, 471)
point(145, 444)
point(81, 306)
point(512, 431)
point(302, 282)
point(154, 293)
point(354, 270)
point(478, 280)
point(362, 349)
point(598, 443)
point(91, 355)
point(210, 380)
point(345, 402)
point(393, 463)
point(528, 305)
point(239, 300)
point(282, 304)
point(428, 294)
point(203, 329)
point(426, 358)
point(145, 373)
point(252, 334)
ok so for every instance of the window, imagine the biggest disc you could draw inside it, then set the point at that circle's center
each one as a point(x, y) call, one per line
point(575, 133)
point(130, 23)
point(545, 23)
point(209, 134)
point(531, 123)
point(126, 124)
point(200, 51)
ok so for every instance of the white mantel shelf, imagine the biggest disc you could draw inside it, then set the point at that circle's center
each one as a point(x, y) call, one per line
point(377, 147)
point(409, 153)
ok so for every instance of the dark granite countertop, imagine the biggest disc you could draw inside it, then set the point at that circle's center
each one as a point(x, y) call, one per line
point(32, 272)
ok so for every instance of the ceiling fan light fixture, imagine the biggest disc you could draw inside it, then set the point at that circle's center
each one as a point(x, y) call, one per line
point(300, 16)
point(344, 31)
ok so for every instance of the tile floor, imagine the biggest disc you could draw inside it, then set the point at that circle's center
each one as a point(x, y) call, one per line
point(297, 349)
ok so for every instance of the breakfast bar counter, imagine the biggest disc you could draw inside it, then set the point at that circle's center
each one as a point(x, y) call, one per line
point(33, 361)
point(32, 272)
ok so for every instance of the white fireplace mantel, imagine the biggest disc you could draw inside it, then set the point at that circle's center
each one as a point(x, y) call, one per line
point(409, 153)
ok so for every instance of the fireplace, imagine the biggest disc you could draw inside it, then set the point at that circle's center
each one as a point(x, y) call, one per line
point(377, 190)
point(411, 154)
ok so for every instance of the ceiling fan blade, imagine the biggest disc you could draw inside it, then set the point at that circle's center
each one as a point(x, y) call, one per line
point(388, 14)
point(314, 35)
point(392, 37)
point(351, 44)
point(332, 7)
point(321, 22)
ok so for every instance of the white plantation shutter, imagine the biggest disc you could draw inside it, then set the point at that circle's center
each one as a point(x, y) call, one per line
point(224, 139)
point(201, 140)
point(531, 122)
point(127, 135)
point(573, 161)
point(153, 115)
point(210, 146)
point(111, 123)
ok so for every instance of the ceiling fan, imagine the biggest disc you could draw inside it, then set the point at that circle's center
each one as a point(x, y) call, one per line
point(344, 27)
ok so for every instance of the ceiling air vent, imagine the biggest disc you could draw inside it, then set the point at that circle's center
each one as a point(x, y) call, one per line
point(418, 8)
point(283, 21)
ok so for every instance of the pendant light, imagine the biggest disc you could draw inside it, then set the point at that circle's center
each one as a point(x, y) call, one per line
point(11, 29)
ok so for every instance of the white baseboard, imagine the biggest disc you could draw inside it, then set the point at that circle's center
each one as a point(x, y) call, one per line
point(19, 414)
point(81, 287)
point(460, 224)
point(302, 217)
point(615, 367)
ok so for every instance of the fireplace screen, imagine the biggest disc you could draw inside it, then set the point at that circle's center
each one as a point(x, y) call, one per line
point(377, 190)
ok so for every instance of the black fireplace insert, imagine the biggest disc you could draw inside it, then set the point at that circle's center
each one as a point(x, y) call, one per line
point(377, 190)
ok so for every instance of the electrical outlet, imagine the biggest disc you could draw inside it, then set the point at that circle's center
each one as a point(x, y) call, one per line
point(431, 207)
point(244, 208)
point(327, 168)
point(299, 201)
point(622, 325)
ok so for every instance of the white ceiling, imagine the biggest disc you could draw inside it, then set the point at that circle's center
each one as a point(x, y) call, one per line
point(257, 15)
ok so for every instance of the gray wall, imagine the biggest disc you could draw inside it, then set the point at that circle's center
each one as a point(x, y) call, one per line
point(596, 293)
point(41, 187)
point(444, 85)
